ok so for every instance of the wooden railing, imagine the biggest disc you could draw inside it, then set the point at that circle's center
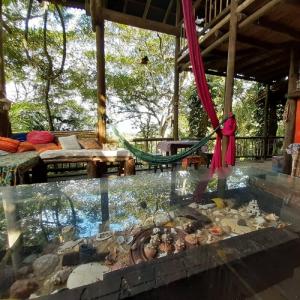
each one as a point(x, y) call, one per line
point(247, 147)
point(214, 10)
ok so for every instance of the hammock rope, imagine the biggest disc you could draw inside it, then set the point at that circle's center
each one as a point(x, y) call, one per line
point(156, 159)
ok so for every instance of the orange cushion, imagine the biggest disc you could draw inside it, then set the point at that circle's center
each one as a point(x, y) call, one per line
point(44, 147)
point(9, 145)
point(25, 146)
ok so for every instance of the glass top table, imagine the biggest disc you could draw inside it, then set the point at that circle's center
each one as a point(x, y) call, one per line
point(58, 238)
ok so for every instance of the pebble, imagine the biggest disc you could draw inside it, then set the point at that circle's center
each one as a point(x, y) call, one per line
point(61, 276)
point(242, 222)
point(161, 219)
point(86, 274)
point(22, 289)
point(45, 265)
point(30, 259)
point(193, 205)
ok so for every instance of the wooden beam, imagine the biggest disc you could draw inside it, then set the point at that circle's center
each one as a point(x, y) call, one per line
point(229, 83)
point(122, 18)
point(279, 28)
point(176, 79)
point(250, 19)
point(168, 11)
point(101, 85)
point(290, 108)
point(146, 10)
point(266, 117)
point(125, 6)
point(248, 40)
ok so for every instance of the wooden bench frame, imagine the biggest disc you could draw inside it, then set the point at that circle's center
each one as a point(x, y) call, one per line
point(97, 165)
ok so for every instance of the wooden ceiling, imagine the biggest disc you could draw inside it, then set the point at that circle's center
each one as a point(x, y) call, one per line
point(263, 46)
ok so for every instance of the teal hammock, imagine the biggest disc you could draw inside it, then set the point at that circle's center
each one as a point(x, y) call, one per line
point(158, 160)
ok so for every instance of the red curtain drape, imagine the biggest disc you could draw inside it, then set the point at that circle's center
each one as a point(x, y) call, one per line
point(203, 90)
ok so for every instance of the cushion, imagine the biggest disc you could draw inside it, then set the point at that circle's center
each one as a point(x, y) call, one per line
point(84, 153)
point(40, 137)
point(3, 152)
point(89, 144)
point(44, 147)
point(19, 136)
point(69, 142)
point(9, 145)
point(25, 146)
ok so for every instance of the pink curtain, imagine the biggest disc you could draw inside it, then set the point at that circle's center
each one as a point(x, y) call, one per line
point(202, 86)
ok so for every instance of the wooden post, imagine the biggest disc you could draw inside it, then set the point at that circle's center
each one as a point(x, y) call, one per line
point(291, 113)
point(101, 86)
point(266, 117)
point(5, 128)
point(176, 78)
point(230, 69)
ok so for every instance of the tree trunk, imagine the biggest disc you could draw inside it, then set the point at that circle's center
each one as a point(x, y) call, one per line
point(5, 128)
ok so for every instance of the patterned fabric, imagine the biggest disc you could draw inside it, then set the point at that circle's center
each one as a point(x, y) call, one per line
point(12, 164)
point(293, 149)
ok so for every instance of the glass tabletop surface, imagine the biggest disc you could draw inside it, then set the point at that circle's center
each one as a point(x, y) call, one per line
point(49, 231)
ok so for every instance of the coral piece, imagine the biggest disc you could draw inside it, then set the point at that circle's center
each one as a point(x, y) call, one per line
point(166, 247)
point(179, 245)
point(216, 230)
point(191, 239)
point(253, 208)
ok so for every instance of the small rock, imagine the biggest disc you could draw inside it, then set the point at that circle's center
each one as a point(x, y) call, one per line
point(161, 219)
point(193, 205)
point(30, 259)
point(45, 265)
point(242, 222)
point(149, 222)
point(86, 274)
point(260, 220)
point(61, 276)
point(22, 289)
point(271, 217)
point(23, 271)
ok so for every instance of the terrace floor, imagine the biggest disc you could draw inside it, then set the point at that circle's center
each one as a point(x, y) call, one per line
point(265, 165)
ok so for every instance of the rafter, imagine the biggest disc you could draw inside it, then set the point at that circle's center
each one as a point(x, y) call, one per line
point(146, 10)
point(168, 11)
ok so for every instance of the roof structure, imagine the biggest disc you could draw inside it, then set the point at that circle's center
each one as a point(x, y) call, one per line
point(266, 31)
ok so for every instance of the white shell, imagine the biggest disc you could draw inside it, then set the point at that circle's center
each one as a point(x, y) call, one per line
point(86, 274)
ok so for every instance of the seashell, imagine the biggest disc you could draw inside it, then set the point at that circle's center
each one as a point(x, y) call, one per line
point(219, 202)
point(166, 247)
point(102, 236)
point(134, 246)
point(191, 239)
point(216, 230)
point(149, 251)
point(271, 217)
point(179, 245)
point(129, 239)
point(260, 220)
point(227, 229)
point(156, 230)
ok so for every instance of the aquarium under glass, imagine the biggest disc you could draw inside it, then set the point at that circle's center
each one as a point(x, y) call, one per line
point(234, 235)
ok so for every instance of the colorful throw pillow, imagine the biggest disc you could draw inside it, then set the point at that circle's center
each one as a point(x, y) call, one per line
point(9, 145)
point(69, 142)
point(89, 144)
point(25, 146)
point(40, 137)
point(44, 147)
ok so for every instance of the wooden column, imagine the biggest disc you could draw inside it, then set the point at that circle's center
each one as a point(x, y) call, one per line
point(266, 117)
point(176, 78)
point(5, 129)
point(230, 69)
point(291, 111)
point(101, 86)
